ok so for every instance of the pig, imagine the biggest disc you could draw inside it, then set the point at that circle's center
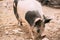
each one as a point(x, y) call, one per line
point(30, 11)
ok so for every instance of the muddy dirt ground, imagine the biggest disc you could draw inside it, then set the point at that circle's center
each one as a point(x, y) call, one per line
point(9, 29)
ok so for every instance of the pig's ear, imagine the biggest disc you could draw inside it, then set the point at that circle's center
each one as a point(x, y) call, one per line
point(46, 20)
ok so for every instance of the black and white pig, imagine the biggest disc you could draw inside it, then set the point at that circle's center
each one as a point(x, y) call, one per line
point(31, 12)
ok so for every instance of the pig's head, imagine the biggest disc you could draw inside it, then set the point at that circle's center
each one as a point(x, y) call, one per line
point(35, 20)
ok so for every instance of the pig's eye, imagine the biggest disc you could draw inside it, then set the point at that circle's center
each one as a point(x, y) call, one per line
point(38, 30)
point(38, 23)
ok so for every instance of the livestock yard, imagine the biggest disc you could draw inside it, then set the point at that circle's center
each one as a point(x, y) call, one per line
point(9, 29)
